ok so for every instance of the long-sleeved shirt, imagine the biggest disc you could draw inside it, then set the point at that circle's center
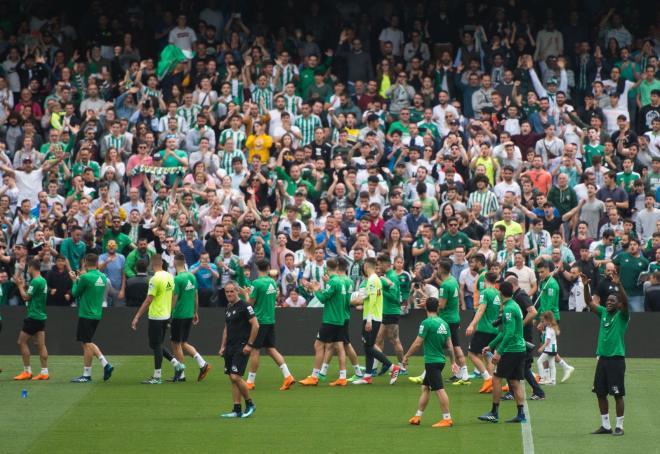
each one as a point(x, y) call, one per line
point(510, 339)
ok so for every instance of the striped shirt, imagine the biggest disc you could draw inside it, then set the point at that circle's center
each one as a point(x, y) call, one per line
point(307, 127)
point(189, 114)
point(288, 73)
point(487, 199)
point(237, 90)
point(292, 104)
point(238, 137)
point(115, 142)
point(314, 272)
point(263, 97)
point(227, 158)
point(146, 91)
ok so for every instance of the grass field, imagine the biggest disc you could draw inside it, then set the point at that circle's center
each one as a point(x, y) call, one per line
point(125, 416)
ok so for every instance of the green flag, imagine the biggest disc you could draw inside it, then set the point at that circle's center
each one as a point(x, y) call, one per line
point(169, 58)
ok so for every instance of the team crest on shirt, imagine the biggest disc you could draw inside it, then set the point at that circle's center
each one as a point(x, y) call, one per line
point(551, 292)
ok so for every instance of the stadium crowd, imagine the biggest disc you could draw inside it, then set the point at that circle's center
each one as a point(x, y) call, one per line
point(505, 137)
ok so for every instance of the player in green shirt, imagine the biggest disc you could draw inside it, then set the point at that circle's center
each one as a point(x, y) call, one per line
point(159, 304)
point(90, 289)
point(372, 316)
point(35, 324)
point(434, 334)
point(482, 329)
point(611, 352)
point(331, 334)
point(549, 301)
point(263, 297)
point(391, 308)
point(449, 305)
point(509, 356)
point(185, 304)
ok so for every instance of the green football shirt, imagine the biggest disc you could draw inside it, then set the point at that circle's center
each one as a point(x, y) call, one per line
point(264, 293)
point(449, 291)
point(333, 297)
point(510, 339)
point(491, 298)
point(348, 283)
point(185, 289)
point(435, 332)
point(611, 333)
point(449, 242)
point(391, 294)
point(549, 299)
point(90, 290)
point(630, 267)
point(36, 307)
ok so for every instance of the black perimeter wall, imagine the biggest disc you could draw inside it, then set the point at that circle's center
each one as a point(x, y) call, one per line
point(296, 331)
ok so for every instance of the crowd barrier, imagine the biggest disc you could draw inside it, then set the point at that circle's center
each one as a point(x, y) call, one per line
point(296, 330)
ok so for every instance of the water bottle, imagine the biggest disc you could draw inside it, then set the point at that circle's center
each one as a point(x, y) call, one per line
point(24, 393)
point(489, 355)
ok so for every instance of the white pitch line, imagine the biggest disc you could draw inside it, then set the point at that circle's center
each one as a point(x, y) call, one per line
point(526, 428)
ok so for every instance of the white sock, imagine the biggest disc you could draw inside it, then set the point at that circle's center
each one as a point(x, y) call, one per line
point(563, 364)
point(619, 422)
point(158, 373)
point(199, 359)
point(419, 413)
point(44, 371)
point(377, 364)
point(605, 421)
point(315, 373)
point(446, 416)
point(27, 369)
point(183, 374)
point(175, 362)
point(485, 375)
point(104, 362)
point(87, 371)
point(251, 377)
point(358, 371)
point(342, 374)
point(553, 372)
point(463, 373)
point(401, 366)
point(324, 368)
point(285, 370)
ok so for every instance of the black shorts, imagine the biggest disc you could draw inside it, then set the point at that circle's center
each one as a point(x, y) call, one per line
point(511, 366)
point(330, 333)
point(346, 336)
point(391, 319)
point(454, 330)
point(610, 376)
point(479, 341)
point(265, 337)
point(86, 329)
point(157, 331)
point(32, 326)
point(369, 338)
point(433, 376)
point(180, 329)
point(235, 361)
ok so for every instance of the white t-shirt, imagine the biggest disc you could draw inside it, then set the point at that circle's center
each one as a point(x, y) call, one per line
point(29, 185)
point(183, 38)
point(549, 334)
point(395, 36)
point(526, 278)
point(503, 187)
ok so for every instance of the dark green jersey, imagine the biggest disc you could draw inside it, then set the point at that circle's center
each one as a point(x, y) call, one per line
point(347, 301)
point(36, 307)
point(333, 297)
point(90, 290)
point(185, 289)
point(612, 331)
point(449, 242)
point(549, 299)
point(391, 294)
point(405, 283)
point(510, 339)
point(264, 293)
point(630, 267)
point(491, 298)
point(449, 291)
point(435, 332)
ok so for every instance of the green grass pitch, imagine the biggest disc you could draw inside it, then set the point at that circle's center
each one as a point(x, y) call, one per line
point(124, 416)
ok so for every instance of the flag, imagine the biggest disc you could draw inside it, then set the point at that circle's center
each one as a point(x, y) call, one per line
point(169, 58)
